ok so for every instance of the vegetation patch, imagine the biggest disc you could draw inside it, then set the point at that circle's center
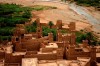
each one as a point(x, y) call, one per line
point(86, 36)
point(41, 7)
point(10, 15)
point(95, 3)
point(45, 30)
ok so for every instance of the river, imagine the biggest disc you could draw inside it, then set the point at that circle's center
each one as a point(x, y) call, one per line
point(92, 20)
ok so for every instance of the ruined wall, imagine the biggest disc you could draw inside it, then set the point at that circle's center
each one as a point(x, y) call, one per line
point(72, 26)
point(18, 46)
point(31, 52)
point(59, 36)
point(82, 54)
point(42, 56)
point(2, 55)
point(72, 54)
point(60, 44)
point(59, 24)
point(98, 59)
point(67, 40)
point(47, 49)
point(31, 47)
point(44, 24)
point(85, 43)
point(39, 32)
point(9, 58)
point(50, 37)
point(60, 53)
point(12, 64)
point(73, 39)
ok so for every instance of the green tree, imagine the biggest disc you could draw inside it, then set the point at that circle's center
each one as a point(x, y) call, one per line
point(47, 30)
point(51, 24)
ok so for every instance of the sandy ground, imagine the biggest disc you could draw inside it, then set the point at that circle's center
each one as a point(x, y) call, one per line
point(21, 2)
point(94, 12)
point(63, 13)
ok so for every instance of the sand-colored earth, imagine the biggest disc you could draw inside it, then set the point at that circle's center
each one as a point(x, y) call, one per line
point(94, 12)
point(22, 2)
point(63, 12)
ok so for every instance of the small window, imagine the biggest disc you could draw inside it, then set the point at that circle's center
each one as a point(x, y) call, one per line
point(17, 39)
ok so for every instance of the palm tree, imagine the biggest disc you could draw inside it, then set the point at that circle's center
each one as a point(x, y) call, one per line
point(51, 24)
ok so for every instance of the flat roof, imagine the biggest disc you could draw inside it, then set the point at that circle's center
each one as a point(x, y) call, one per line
point(97, 54)
point(18, 53)
point(86, 50)
point(65, 63)
point(98, 64)
point(52, 45)
point(29, 61)
point(48, 64)
point(27, 34)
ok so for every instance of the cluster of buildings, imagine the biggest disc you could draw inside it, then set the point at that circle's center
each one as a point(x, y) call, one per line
point(33, 49)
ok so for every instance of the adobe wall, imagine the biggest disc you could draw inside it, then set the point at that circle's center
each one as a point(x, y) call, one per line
point(27, 37)
point(39, 32)
point(54, 26)
point(18, 46)
point(59, 24)
point(42, 56)
point(50, 37)
point(12, 64)
point(9, 58)
point(98, 59)
point(48, 49)
point(60, 53)
point(44, 24)
point(59, 36)
point(71, 57)
point(31, 47)
point(71, 53)
point(82, 54)
point(73, 39)
point(19, 31)
point(60, 44)
point(38, 22)
point(78, 54)
point(31, 52)
point(85, 43)
point(88, 63)
point(2, 55)
point(72, 26)
point(67, 40)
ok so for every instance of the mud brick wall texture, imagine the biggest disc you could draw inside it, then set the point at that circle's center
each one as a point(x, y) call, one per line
point(42, 56)
point(2, 55)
